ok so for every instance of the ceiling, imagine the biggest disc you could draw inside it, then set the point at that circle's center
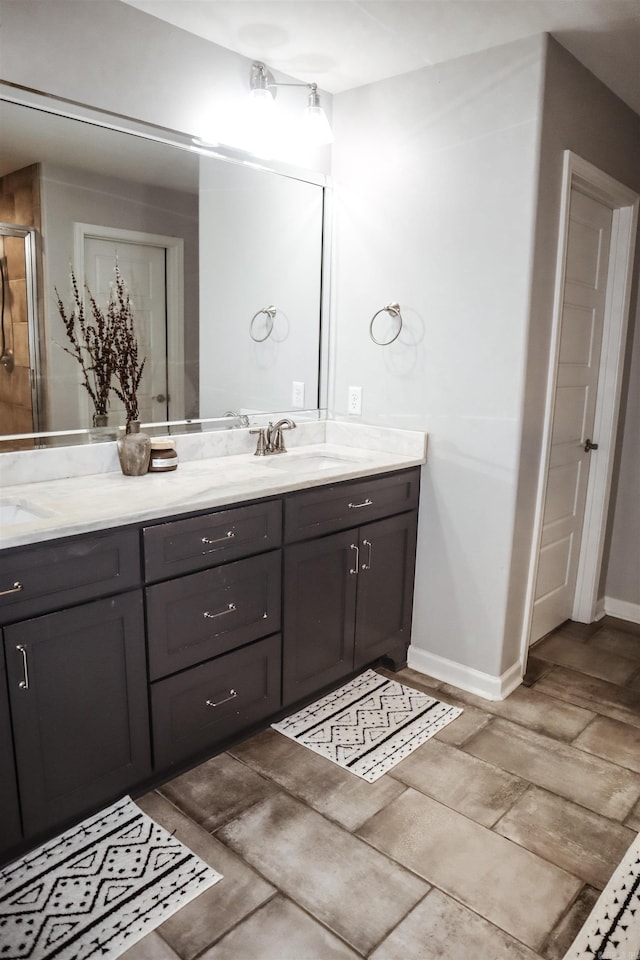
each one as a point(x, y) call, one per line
point(340, 44)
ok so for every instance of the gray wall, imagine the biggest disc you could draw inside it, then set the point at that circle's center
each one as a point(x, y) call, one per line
point(582, 115)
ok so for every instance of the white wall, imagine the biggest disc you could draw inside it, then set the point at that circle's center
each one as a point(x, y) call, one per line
point(260, 245)
point(435, 176)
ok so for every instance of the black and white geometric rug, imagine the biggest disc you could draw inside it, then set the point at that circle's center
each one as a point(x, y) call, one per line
point(97, 889)
point(368, 725)
point(612, 931)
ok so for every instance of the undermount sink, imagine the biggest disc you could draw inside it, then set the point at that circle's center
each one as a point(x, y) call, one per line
point(12, 512)
point(306, 461)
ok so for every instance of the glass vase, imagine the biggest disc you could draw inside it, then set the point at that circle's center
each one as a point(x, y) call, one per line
point(134, 450)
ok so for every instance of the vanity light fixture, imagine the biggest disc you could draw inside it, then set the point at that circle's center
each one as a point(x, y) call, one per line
point(263, 89)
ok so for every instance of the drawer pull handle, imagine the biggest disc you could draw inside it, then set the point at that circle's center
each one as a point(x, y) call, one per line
point(357, 566)
point(232, 695)
point(16, 588)
point(365, 503)
point(24, 684)
point(367, 565)
point(212, 616)
point(230, 534)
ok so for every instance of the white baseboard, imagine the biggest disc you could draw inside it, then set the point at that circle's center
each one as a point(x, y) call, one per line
point(600, 611)
point(473, 681)
point(622, 609)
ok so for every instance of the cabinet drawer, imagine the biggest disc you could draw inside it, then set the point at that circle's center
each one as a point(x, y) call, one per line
point(194, 710)
point(327, 509)
point(205, 614)
point(184, 546)
point(65, 572)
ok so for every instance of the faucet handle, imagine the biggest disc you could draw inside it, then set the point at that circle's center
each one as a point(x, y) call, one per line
point(261, 446)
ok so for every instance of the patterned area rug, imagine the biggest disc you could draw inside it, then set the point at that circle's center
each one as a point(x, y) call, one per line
point(612, 931)
point(97, 889)
point(369, 725)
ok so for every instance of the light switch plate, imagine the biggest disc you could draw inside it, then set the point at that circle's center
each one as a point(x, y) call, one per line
point(297, 394)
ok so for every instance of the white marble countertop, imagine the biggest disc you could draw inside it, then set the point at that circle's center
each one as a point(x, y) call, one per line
point(90, 502)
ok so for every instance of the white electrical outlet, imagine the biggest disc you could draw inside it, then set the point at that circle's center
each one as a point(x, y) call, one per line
point(354, 401)
point(297, 394)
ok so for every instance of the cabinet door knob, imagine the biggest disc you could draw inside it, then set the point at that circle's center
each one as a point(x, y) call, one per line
point(24, 683)
point(367, 565)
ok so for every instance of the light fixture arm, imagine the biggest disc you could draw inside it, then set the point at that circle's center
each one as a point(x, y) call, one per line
point(262, 79)
point(264, 88)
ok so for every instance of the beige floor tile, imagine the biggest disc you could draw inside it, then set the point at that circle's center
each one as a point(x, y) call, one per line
point(618, 642)
point(439, 928)
point(565, 932)
point(480, 790)
point(217, 790)
point(204, 920)
point(612, 740)
point(422, 681)
point(582, 656)
point(345, 884)
point(535, 669)
point(559, 767)
point(581, 842)
point(326, 787)
point(151, 947)
point(600, 696)
point(616, 624)
point(506, 884)
point(633, 820)
point(634, 683)
point(280, 930)
point(532, 709)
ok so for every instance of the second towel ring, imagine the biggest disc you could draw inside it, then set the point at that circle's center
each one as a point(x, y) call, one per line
point(270, 312)
point(393, 309)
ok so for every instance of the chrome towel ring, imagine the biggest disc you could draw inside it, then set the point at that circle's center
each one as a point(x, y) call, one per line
point(393, 309)
point(270, 312)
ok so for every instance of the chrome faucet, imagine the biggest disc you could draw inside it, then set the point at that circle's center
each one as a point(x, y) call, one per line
point(271, 439)
point(276, 437)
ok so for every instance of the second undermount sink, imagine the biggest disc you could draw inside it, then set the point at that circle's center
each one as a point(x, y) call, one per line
point(307, 461)
point(12, 512)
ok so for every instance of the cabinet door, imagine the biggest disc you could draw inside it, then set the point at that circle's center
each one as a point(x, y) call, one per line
point(77, 682)
point(385, 587)
point(10, 832)
point(320, 579)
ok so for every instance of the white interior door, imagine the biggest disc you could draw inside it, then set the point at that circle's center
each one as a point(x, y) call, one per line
point(143, 270)
point(583, 310)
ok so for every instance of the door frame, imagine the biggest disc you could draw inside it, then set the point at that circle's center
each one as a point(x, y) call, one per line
point(174, 278)
point(624, 205)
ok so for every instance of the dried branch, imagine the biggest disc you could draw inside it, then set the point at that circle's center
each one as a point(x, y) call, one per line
point(92, 342)
point(128, 366)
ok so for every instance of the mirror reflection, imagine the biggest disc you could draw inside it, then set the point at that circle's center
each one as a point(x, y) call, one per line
point(222, 260)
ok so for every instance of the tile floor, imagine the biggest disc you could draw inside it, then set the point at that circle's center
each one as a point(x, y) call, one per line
point(491, 841)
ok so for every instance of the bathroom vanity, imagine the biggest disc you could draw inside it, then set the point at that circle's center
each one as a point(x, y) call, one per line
point(137, 647)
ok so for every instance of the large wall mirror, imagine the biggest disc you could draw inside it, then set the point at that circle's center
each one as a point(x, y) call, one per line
point(222, 257)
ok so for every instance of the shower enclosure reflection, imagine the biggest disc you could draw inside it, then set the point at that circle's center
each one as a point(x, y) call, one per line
point(19, 401)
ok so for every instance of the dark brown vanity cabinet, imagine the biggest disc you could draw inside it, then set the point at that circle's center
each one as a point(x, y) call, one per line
point(76, 677)
point(77, 685)
point(10, 829)
point(347, 595)
point(213, 635)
